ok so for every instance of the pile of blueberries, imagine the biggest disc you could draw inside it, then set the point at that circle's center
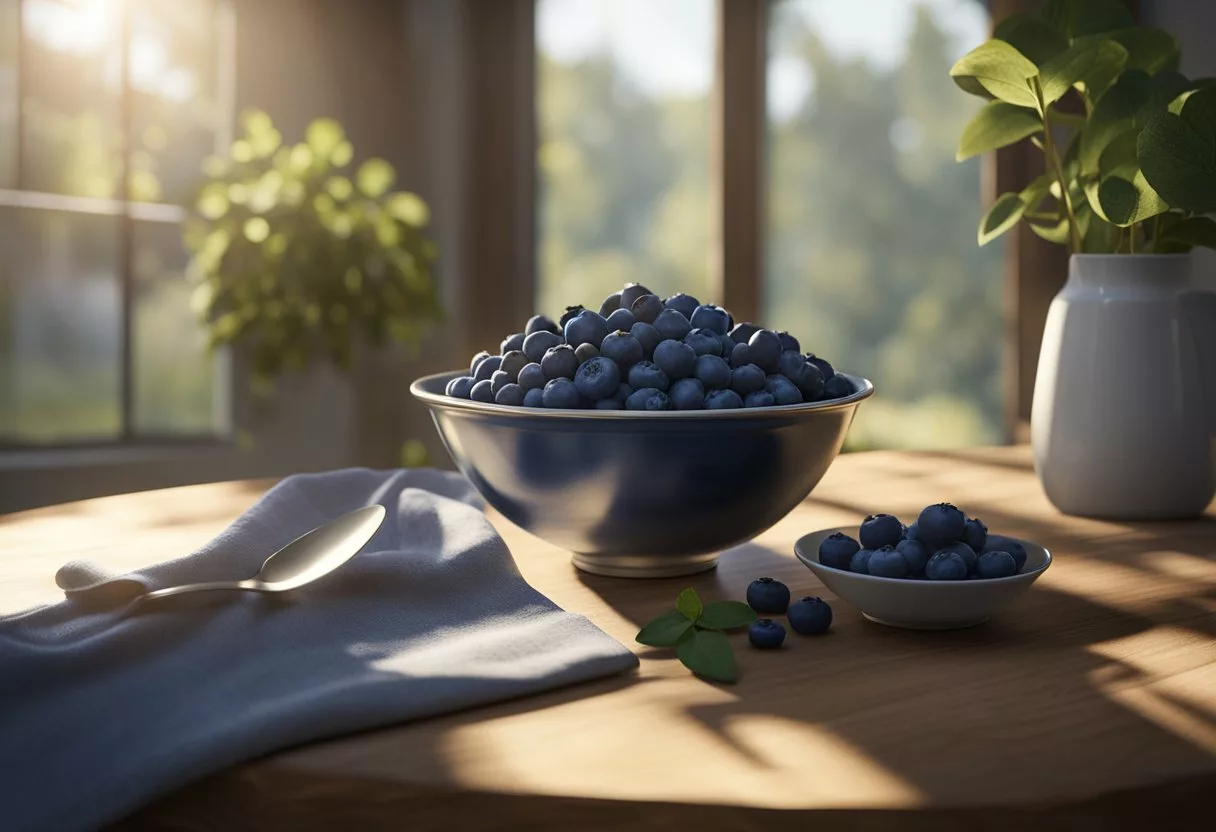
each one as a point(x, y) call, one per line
point(642, 353)
point(808, 616)
point(943, 544)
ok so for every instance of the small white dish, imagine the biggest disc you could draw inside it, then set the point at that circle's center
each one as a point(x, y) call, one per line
point(920, 604)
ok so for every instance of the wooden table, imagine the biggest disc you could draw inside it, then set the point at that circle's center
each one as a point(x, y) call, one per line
point(1089, 704)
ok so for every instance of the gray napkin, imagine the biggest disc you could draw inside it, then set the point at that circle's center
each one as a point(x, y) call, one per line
point(103, 707)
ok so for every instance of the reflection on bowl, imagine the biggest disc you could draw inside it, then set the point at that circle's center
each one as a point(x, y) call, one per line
point(651, 494)
point(922, 604)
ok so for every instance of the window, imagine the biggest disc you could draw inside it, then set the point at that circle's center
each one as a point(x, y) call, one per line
point(107, 110)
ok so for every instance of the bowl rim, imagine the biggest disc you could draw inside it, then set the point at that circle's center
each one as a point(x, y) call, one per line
point(814, 565)
point(441, 401)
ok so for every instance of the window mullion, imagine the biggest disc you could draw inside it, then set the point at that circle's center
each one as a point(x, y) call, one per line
point(125, 230)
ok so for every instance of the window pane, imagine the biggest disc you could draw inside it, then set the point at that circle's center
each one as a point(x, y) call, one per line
point(174, 110)
point(60, 339)
point(872, 259)
point(9, 47)
point(174, 378)
point(71, 123)
point(623, 99)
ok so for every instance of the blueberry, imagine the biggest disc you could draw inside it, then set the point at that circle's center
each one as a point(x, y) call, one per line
point(647, 308)
point(860, 562)
point(887, 562)
point(482, 392)
point(739, 356)
point(1001, 543)
point(783, 390)
point(946, 566)
point(941, 522)
point(598, 378)
point(963, 551)
point(747, 379)
point(915, 554)
point(540, 323)
point(648, 398)
point(804, 375)
point(837, 549)
point(487, 367)
point(766, 634)
point(713, 318)
point(768, 596)
point(611, 304)
point(675, 358)
point(631, 293)
point(513, 362)
point(586, 328)
point(511, 394)
point(561, 393)
point(671, 324)
point(742, 333)
point(880, 530)
point(996, 565)
point(975, 534)
point(623, 391)
point(687, 394)
point(647, 336)
point(810, 616)
point(532, 377)
point(788, 342)
point(912, 531)
point(647, 374)
point(570, 314)
point(499, 380)
point(837, 387)
point(722, 400)
point(512, 342)
point(538, 343)
point(713, 372)
point(586, 352)
point(703, 342)
point(761, 398)
point(684, 304)
point(477, 359)
point(534, 398)
point(460, 388)
point(559, 362)
point(622, 348)
point(621, 319)
point(764, 350)
point(824, 367)
point(610, 404)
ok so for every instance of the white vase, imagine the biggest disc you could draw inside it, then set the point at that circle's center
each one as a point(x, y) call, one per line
point(1123, 424)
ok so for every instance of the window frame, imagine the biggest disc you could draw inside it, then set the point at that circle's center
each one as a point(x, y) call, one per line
point(127, 213)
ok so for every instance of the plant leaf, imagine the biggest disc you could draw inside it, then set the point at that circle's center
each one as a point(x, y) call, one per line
point(1150, 49)
point(665, 630)
point(1002, 216)
point(1192, 231)
point(1091, 17)
point(726, 615)
point(996, 125)
point(1080, 63)
point(707, 653)
point(1125, 202)
point(1001, 70)
point(1034, 38)
point(1115, 112)
point(689, 604)
point(1178, 154)
point(1057, 233)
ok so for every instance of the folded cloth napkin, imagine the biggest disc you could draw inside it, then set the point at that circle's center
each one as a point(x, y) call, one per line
point(104, 705)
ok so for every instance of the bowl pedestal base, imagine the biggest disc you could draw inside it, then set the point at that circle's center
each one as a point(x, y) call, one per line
point(913, 625)
point(645, 566)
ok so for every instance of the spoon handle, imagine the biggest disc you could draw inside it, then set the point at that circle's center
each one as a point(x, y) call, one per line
point(203, 587)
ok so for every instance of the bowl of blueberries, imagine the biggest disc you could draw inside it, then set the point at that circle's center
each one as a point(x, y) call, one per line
point(943, 571)
point(647, 436)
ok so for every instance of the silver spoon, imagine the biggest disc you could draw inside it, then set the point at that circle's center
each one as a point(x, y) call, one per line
point(305, 559)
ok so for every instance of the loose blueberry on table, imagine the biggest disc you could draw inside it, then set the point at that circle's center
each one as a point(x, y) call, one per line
point(766, 634)
point(810, 616)
point(680, 353)
point(768, 596)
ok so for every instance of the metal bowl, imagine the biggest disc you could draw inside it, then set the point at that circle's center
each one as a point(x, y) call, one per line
point(642, 494)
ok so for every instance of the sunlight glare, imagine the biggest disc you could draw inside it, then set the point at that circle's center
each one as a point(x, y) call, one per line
point(86, 27)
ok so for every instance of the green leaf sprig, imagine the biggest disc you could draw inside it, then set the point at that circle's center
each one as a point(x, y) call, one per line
point(696, 633)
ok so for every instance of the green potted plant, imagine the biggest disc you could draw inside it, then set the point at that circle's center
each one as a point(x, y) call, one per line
point(297, 260)
point(1124, 412)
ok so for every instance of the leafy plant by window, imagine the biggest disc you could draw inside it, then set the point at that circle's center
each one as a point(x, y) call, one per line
point(1128, 142)
point(297, 260)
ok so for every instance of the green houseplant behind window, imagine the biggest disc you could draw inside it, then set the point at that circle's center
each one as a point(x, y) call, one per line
point(297, 261)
